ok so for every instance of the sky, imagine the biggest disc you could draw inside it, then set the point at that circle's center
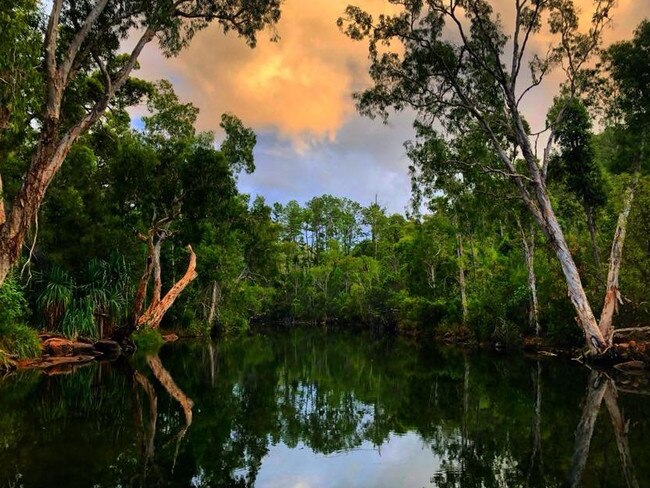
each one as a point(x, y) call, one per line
point(297, 96)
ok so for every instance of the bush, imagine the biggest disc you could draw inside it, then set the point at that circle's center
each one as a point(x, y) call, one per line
point(15, 337)
point(13, 306)
point(148, 340)
point(20, 339)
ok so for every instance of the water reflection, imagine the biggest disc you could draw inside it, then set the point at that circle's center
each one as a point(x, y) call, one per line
point(600, 387)
point(314, 409)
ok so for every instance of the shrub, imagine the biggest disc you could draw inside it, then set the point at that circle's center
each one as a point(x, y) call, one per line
point(15, 337)
point(20, 339)
point(148, 340)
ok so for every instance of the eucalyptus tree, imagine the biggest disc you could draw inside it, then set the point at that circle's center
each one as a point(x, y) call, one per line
point(457, 65)
point(82, 40)
point(628, 66)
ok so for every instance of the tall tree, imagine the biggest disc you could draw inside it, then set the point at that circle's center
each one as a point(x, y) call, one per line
point(475, 80)
point(628, 64)
point(82, 38)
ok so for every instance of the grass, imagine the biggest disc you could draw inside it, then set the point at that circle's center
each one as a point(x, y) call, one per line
point(20, 339)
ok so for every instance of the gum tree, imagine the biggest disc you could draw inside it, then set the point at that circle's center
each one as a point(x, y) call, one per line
point(81, 39)
point(458, 65)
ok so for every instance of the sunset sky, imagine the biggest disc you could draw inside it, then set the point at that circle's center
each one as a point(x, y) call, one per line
point(297, 95)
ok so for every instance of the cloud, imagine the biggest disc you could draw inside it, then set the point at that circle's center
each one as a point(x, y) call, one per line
point(297, 95)
point(300, 86)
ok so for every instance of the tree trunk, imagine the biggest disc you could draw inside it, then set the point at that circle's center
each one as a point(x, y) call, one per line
point(52, 147)
point(547, 219)
point(141, 292)
point(528, 244)
point(214, 298)
point(612, 294)
point(157, 274)
point(155, 312)
point(620, 431)
point(585, 430)
point(461, 277)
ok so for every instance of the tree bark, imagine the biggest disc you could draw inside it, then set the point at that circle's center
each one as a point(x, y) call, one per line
point(528, 244)
point(547, 219)
point(155, 312)
point(141, 292)
point(214, 298)
point(461, 277)
point(612, 294)
point(52, 147)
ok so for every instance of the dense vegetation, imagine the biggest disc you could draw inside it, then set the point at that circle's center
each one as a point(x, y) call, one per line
point(131, 194)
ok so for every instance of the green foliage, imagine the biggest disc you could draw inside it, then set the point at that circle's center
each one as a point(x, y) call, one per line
point(15, 336)
point(13, 305)
point(19, 339)
point(148, 340)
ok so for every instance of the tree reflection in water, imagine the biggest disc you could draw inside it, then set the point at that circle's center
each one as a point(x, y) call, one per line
point(600, 387)
point(197, 417)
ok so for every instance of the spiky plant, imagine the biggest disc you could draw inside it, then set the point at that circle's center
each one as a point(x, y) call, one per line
point(56, 297)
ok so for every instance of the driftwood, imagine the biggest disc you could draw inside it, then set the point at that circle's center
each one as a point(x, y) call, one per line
point(632, 333)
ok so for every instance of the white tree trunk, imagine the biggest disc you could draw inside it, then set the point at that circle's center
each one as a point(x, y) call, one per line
point(612, 294)
point(461, 277)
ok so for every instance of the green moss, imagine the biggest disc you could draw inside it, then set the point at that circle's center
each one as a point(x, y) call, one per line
point(148, 340)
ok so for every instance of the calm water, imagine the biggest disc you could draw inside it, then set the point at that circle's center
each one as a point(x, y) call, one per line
point(315, 409)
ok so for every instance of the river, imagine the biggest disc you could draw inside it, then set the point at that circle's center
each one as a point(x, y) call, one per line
point(309, 408)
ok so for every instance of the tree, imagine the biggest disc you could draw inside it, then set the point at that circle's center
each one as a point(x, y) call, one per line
point(475, 82)
point(81, 41)
point(575, 164)
point(628, 64)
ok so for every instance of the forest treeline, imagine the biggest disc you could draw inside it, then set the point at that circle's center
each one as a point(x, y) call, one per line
point(109, 220)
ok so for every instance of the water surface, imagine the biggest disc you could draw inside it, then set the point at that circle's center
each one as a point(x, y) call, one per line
point(309, 408)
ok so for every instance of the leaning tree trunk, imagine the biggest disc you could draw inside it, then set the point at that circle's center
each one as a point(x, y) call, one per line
point(613, 295)
point(620, 431)
point(595, 393)
point(543, 212)
point(157, 309)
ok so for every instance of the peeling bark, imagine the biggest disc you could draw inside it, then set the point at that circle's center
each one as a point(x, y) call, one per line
point(613, 295)
point(156, 310)
point(52, 147)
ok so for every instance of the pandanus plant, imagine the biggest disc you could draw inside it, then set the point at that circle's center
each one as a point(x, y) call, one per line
point(90, 307)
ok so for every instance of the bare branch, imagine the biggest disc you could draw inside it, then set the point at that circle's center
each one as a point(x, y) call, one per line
point(79, 38)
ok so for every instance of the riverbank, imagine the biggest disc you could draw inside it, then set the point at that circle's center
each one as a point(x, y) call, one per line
point(631, 350)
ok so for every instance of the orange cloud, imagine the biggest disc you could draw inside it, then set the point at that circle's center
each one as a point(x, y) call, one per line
point(301, 86)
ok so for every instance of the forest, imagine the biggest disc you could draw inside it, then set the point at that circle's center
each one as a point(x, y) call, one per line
point(161, 325)
point(107, 220)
